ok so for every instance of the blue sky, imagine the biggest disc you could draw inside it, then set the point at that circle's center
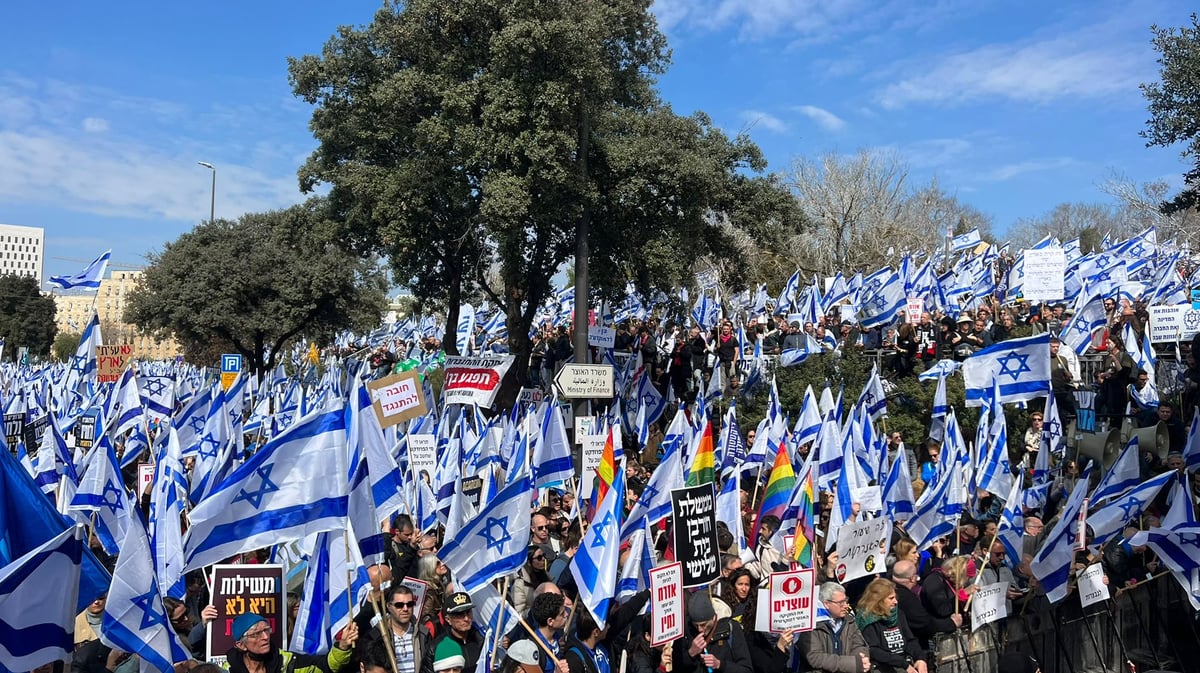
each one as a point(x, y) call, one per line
point(105, 108)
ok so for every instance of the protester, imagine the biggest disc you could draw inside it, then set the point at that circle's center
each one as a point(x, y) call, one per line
point(835, 645)
point(253, 651)
point(893, 647)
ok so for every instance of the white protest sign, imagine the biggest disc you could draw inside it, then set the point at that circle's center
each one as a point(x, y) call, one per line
point(397, 398)
point(419, 590)
point(988, 604)
point(666, 586)
point(145, 477)
point(474, 380)
point(862, 548)
point(1092, 588)
point(585, 426)
point(869, 498)
point(762, 611)
point(1180, 322)
point(1044, 274)
point(792, 595)
point(913, 309)
point(590, 454)
point(602, 337)
point(422, 453)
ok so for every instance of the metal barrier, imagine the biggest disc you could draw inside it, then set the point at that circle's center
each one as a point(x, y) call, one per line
point(1152, 626)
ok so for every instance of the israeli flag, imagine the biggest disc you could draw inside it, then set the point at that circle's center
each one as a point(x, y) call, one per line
point(897, 490)
point(1110, 519)
point(655, 501)
point(38, 594)
point(135, 619)
point(965, 241)
point(939, 507)
point(880, 308)
point(325, 609)
point(494, 542)
point(596, 563)
point(1177, 539)
point(127, 404)
point(291, 488)
point(166, 506)
point(466, 328)
point(872, 399)
point(102, 491)
point(88, 279)
point(1021, 366)
point(787, 297)
point(1089, 317)
point(1124, 474)
point(1052, 564)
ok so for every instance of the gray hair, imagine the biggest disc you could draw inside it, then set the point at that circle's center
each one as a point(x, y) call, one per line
point(828, 590)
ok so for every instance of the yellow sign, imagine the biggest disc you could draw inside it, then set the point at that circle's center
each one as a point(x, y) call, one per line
point(227, 379)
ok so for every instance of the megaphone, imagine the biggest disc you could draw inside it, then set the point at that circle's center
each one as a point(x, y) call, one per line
point(1102, 447)
point(1154, 438)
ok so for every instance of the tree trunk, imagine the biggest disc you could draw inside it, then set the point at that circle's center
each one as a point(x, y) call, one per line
point(453, 304)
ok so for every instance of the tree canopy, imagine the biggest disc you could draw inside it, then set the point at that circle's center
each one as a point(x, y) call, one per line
point(257, 284)
point(470, 140)
point(26, 317)
point(1175, 104)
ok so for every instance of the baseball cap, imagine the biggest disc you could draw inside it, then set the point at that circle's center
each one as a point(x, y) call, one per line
point(460, 601)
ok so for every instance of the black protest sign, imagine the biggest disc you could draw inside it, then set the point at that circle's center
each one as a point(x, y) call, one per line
point(695, 534)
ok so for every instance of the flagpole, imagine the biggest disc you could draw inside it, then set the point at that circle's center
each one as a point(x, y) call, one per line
point(385, 626)
point(499, 620)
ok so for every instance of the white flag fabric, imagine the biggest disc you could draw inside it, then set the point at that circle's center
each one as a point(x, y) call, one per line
point(1021, 366)
point(292, 487)
point(88, 279)
point(596, 563)
point(494, 542)
point(38, 594)
point(135, 619)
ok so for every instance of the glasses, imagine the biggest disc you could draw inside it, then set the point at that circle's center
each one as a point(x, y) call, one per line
point(539, 528)
point(260, 633)
point(539, 558)
point(841, 602)
point(401, 605)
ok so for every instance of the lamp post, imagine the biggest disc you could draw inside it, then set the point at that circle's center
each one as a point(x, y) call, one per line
point(212, 203)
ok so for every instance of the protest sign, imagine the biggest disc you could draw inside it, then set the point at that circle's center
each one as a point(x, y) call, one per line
point(913, 308)
point(869, 498)
point(397, 398)
point(419, 589)
point(145, 478)
point(422, 453)
point(530, 396)
point(85, 430)
point(1044, 273)
point(33, 431)
point(862, 548)
point(602, 337)
point(792, 594)
point(14, 427)
point(590, 453)
point(1092, 588)
point(988, 604)
point(474, 380)
point(238, 589)
point(111, 361)
point(666, 586)
point(1179, 322)
point(695, 533)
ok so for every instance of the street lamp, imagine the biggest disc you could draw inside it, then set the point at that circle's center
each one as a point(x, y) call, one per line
point(212, 204)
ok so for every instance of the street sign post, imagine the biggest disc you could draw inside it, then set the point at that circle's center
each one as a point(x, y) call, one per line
point(580, 382)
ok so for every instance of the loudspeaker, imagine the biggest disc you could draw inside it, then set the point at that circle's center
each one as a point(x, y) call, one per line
point(1101, 447)
point(1154, 438)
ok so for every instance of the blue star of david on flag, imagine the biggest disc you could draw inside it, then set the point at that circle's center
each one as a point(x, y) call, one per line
point(495, 542)
point(1015, 371)
point(148, 604)
point(1102, 262)
point(601, 528)
point(114, 504)
point(265, 486)
point(154, 386)
point(1131, 508)
point(197, 424)
point(209, 441)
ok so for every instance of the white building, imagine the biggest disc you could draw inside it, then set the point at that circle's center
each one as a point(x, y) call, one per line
point(22, 251)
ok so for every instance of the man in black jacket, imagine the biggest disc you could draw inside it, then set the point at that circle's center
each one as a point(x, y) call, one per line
point(923, 624)
point(710, 643)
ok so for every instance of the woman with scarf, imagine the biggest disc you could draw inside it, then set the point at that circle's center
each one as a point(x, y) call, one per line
point(945, 590)
point(894, 648)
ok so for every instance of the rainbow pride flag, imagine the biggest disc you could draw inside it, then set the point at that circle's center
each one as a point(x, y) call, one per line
point(779, 490)
point(702, 469)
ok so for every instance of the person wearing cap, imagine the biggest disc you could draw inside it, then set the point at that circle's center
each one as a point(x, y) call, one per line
point(456, 613)
point(523, 657)
point(253, 651)
point(448, 657)
point(710, 643)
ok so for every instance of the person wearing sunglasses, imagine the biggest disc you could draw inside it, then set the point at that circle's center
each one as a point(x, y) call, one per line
point(409, 642)
point(254, 650)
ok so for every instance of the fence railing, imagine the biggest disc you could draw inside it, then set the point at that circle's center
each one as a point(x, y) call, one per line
point(1151, 625)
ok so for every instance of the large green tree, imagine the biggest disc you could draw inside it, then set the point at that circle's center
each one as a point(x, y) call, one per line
point(472, 141)
point(1175, 104)
point(26, 317)
point(258, 284)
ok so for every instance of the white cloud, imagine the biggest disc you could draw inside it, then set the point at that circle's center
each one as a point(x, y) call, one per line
point(801, 21)
point(95, 125)
point(1010, 171)
point(1093, 62)
point(754, 118)
point(824, 118)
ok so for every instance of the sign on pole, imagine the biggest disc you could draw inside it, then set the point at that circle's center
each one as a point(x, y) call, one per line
point(111, 362)
point(695, 534)
point(1092, 588)
point(238, 589)
point(145, 478)
point(474, 380)
point(422, 453)
point(397, 398)
point(1179, 322)
point(231, 366)
point(862, 548)
point(602, 337)
point(988, 604)
point(792, 594)
point(666, 586)
point(576, 382)
point(590, 452)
